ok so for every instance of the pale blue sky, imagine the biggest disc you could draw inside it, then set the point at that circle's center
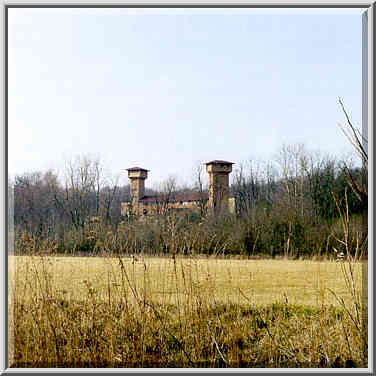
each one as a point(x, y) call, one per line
point(164, 88)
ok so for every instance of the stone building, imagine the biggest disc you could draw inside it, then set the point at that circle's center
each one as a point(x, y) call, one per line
point(217, 200)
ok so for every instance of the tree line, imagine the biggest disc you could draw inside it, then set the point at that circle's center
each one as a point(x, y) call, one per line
point(43, 204)
point(282, 206)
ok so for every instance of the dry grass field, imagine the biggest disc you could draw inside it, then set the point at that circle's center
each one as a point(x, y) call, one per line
point(223, 280)
point(183, 312)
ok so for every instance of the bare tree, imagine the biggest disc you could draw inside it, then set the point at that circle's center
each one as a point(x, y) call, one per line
point(201, 188)
point(320, 179)
point(166, 195)
point(360, 145)
point(253, 185)
point(83, 179)
point(33, 201)
point(246, 187)
point(108, 196)
point(293, 160)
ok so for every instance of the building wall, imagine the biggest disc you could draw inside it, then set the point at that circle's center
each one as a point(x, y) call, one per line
point(157, 208)
point(137, 188)
point(218, 190)
point(141, 208)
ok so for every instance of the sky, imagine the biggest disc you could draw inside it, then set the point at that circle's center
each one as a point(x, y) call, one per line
point(166, 89)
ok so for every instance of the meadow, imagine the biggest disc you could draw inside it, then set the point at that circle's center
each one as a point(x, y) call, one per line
point(185, 312)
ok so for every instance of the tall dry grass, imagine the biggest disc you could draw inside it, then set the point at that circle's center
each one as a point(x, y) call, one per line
point(180, 312)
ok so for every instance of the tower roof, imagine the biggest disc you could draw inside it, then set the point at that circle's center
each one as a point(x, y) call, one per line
point(136, 169)
point(217, 161)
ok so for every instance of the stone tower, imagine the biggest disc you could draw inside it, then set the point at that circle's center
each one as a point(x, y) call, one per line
point(219, 172)
point(137, 176)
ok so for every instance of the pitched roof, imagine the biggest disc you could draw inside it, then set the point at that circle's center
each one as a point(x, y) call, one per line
point(217, 161)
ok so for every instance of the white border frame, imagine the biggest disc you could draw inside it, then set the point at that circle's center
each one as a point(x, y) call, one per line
point(367, 116)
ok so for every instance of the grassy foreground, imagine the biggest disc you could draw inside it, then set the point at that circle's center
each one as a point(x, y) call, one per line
point(182, 312)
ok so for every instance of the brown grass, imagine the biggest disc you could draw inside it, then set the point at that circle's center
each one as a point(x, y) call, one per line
point(181, 312)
